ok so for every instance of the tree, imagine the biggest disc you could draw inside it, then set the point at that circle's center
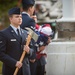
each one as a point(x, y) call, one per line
point(5, 5)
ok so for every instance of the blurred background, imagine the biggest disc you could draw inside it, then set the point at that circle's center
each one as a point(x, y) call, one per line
point(5, 5)
point(46, 10)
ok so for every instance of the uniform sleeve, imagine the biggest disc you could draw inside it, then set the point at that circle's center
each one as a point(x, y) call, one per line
point(31, 24)
point(32, 46)
point(5, 58)
point(30, 52)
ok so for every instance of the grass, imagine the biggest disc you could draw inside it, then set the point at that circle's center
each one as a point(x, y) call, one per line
point(0, 67)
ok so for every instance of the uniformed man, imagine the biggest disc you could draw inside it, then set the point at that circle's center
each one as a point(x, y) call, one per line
point(28, 10)
point(28, 21)
point(12, 41)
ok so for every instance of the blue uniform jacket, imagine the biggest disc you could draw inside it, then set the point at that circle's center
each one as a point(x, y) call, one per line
point(27, 21)
point(11, 49)
point(30, 23)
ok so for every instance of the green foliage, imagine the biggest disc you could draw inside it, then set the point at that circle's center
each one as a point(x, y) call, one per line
point(0, 67)
point(5, 5)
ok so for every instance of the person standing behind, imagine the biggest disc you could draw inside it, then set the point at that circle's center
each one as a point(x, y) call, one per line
point(42, 42)
point(12, 44)
point(28, 10)
point(44, 39)
point(28, 21)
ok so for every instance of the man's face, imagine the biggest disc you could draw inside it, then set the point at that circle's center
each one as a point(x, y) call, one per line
point(16, 20)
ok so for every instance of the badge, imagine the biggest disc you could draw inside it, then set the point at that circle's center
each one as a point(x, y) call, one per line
point(13, 39)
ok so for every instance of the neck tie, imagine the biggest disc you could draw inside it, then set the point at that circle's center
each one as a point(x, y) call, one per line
point(19, 36)
point(18, 32)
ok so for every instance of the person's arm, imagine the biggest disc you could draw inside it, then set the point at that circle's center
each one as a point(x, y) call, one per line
point(3, 56)
point(41, 48)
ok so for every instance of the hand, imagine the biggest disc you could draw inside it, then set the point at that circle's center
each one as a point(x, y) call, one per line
point(26, 48)
point(49, 40)
point(18, 64)
point(42, 48)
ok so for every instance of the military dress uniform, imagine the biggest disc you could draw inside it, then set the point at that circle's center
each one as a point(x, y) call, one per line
point(11, 48)
point(29, 22)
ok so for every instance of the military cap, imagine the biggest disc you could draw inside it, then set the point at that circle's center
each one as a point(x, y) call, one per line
point(14, 10)
point(28, 2)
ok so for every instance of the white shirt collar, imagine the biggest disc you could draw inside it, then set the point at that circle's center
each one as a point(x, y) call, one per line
point(15, 29)
point(26, 13)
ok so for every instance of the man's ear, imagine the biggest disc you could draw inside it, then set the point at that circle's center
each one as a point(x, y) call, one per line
point(10, 18)
point(29, 9)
